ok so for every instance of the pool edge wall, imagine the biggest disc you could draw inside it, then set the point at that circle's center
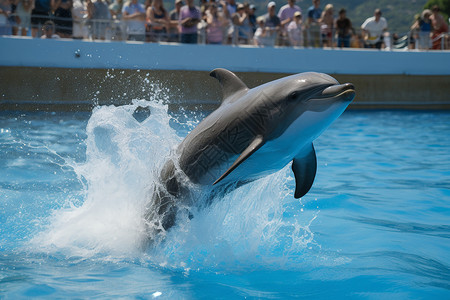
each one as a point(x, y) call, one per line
point(77, 75)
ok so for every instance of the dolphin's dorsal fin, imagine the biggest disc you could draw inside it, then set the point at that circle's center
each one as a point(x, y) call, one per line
point(231, 84)
point(255, 145)
point(304, 167)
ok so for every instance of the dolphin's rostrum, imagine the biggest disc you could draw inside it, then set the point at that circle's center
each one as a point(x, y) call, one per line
point(254, 132)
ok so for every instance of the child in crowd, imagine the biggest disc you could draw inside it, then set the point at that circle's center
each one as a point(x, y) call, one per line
point(49, 31)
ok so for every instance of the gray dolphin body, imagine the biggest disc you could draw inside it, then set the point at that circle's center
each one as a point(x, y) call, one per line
point(254, 132)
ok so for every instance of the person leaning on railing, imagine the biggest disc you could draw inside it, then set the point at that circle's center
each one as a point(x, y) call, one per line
point(272, 25)
point(295, 30)
point(243, 32)
point(216, 25)
point(190, 16)
point(134, 15)
point(373, 30)
point(286, 15)
point(440, 29)
point(158, 22)
point(421, 30)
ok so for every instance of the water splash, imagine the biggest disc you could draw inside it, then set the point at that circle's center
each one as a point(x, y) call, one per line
point(122, 158)
point(257, 225)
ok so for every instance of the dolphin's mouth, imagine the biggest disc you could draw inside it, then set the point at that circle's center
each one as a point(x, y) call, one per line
point(344, 92)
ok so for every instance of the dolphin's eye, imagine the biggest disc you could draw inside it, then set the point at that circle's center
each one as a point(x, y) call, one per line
point(294, 95)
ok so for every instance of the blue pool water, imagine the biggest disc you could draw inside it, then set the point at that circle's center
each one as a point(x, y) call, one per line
point(376, 223)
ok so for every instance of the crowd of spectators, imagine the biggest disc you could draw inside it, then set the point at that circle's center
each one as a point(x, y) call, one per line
point(213, 22)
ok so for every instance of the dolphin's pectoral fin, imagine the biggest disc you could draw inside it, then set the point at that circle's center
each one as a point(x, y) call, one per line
point(230, 83)
point(304, 168)
point(255, 145)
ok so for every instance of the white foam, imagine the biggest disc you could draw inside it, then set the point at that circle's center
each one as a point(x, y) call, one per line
point(247, 227)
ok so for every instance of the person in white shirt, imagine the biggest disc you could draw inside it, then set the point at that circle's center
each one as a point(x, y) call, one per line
point(48, 30)
point(295, 30)
point(373, 30)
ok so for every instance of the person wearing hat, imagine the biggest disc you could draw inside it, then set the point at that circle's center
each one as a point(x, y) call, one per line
point(373, 30)
point(259, 38)
point(242, 33)
point(272, 23)
point(286, 15)
point(295, 30)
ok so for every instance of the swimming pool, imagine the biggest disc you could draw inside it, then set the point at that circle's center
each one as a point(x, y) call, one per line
point(376, 223)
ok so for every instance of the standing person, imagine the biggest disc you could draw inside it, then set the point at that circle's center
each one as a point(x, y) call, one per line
point(174, 16)
point(344, 29)
point(313, 24)
point(23, 11)
point(39, 15)
point(101, 20)
point(373, 30)
point(231, 8)
point(134, 15)
point(118, 30)
point(242, 33)
point(78, 13)
point(252, 17)
point(272, 24)
point(423, 28)
point(286, 15)
point(62, 17)
point(259, 38)
point(327, 25)
point(216, 24)
point(439, 26)
point(295, 30)
point(189, 18)
point(158, 19)
point(5, 12)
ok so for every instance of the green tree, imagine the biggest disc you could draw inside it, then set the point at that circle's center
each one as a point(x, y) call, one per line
point(444, 6)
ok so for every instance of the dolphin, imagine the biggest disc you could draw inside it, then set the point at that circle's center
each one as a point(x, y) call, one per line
point(254, 132)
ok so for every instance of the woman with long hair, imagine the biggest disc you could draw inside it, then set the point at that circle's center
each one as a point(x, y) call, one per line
point(158, 21)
